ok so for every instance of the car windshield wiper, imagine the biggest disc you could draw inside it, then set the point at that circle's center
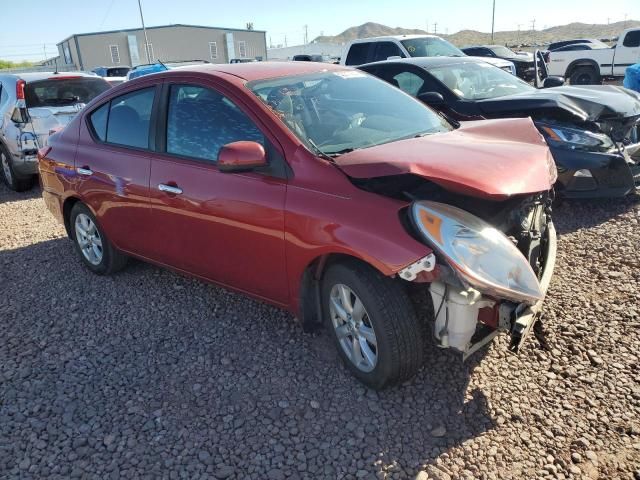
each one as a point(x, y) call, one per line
point(319, 150)
point(340, 152)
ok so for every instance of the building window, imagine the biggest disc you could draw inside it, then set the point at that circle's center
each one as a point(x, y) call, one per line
point(242, 48)
point(115, 54)
point(67, 53)
point(213, 50)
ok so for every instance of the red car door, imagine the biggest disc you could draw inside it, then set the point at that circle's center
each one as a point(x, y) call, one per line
point(112, 166)
point(225, 227)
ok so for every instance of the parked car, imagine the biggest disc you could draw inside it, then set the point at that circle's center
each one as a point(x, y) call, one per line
point(592, 131)
point(557, 45)
point(574, 47)
point(146, 69)
point(322, 190)
point(524, 63)
point(589, 67)
point(32, 105)
point(310, 58)
point(113, 75)
point(367, 50)
point(242, 60)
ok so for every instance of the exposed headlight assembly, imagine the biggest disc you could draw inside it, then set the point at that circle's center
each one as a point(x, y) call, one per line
point(576, 139)
point(481, 255)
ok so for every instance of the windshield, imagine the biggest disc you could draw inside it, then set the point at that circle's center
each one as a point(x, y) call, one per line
point(431, 47)
point(59, 92)
point(479, 81)
point(336, 112)
point(504, 52)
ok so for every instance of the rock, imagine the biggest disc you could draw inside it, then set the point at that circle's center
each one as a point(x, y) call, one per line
point(591, 455)
point(314, 404)
point(439, 431)
point(223, 471)
point(576, 457)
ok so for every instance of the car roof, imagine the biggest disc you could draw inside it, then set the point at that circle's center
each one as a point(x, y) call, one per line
point(428, 62)
point(259, 70)
point(35, 76)
point(392, 37)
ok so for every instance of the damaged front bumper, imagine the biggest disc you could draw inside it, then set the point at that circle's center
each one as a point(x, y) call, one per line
point(597, 174)
point(465, 330)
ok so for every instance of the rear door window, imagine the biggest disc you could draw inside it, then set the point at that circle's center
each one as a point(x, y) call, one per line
point(385, 50)
point(60, 92)
point(408, 82)
point(358, 54)
point(632, 39)
point(129, 118)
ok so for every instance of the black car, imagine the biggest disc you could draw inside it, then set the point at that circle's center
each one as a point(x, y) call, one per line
point(593, 131)
point(524, 63)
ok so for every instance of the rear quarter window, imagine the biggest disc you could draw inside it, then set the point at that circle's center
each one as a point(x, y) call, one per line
point(98, 121)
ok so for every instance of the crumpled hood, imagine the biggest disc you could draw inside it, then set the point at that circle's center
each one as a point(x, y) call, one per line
point(589, 102)
point(491, 159)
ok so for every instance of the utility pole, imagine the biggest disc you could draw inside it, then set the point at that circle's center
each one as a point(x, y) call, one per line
point(144, 30)
point(518, 37)
point(44, 50)
point(306, 34)
point(285, 41)
point(533, 28)
point(435, 28)
point(624, 27)
point(493, 19)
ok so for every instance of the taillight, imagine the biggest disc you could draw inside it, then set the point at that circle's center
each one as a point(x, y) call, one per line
point(43, 152)
point(20, 89)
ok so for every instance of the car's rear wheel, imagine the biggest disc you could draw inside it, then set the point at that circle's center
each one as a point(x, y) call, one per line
point(373, 323)
point(585, 76)
point(94, 247)
point(10, 178)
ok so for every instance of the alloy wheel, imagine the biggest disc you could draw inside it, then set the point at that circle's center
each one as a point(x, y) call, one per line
point(353, 328)
point(88, 239)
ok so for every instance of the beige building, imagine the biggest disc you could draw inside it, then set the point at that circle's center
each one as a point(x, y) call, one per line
point(167, 43)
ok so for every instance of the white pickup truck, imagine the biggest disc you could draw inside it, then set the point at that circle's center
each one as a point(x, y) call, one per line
point(589, 67)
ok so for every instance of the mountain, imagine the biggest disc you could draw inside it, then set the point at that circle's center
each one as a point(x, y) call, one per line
point(473, 37)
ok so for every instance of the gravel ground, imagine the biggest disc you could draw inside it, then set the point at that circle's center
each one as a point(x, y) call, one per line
point(148, 374)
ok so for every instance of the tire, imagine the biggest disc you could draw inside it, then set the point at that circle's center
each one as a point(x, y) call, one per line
point(585, 76)
point(9, 177)
point(386, 311)
point(92, 244)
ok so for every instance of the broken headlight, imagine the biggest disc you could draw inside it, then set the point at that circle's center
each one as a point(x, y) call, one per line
point(482, 256)
point(575, 139)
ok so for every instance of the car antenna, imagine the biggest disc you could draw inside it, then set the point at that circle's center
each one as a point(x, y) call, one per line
point(160, 62)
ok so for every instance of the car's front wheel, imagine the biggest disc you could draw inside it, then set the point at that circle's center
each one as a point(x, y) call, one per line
point(92, 244)
point(11, 179)
point(373, 324)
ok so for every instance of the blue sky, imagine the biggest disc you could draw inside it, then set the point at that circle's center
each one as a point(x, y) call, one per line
point(30, 26)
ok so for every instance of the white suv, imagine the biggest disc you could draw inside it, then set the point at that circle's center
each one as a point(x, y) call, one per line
point(375, 49)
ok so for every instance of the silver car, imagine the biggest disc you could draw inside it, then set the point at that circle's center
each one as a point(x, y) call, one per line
point(32, 107)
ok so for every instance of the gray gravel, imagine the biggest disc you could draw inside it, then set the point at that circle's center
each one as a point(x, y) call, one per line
point(148, 374)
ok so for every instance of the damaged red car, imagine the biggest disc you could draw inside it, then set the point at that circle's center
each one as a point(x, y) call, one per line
point(322, 190)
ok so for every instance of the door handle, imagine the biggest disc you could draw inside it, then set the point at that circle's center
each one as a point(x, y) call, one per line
point(169, 189)
point(84, 171)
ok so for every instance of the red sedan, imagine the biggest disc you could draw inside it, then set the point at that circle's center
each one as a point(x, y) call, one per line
point(322, 190)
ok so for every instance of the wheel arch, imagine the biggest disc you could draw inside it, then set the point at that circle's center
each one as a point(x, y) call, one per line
point(67, 206)
point(581, 62)
point(307, 296)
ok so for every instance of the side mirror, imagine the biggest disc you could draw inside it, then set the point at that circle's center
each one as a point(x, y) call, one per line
point(431, 98)
point(241, 156)
point(552, 81)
